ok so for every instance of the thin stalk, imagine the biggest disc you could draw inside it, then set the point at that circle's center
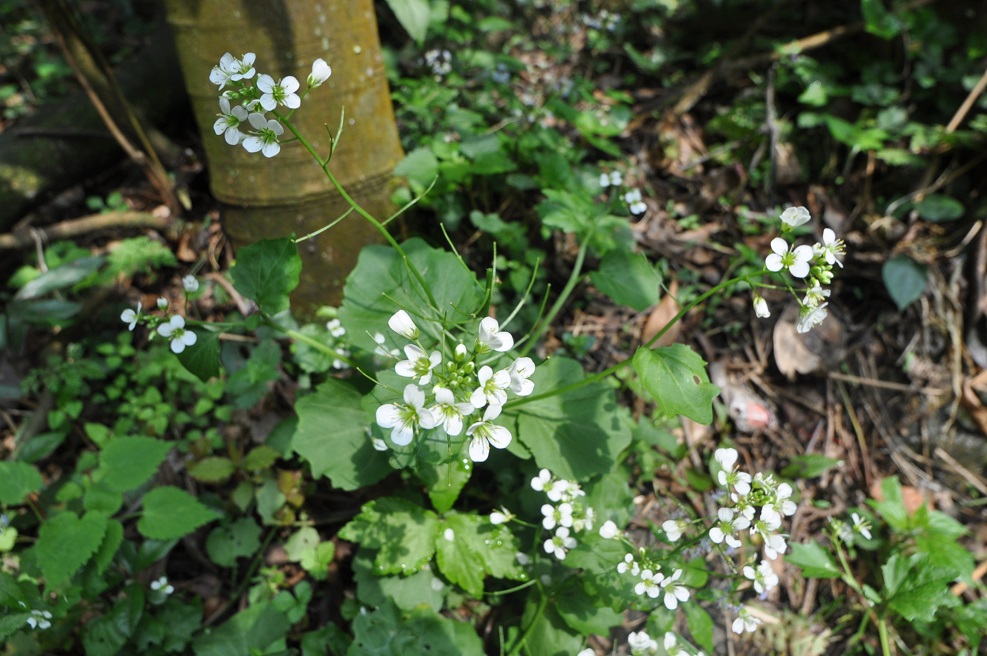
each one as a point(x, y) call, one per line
point(523, 636)
point(319, 346)
point(626, 362)
point(361, 211)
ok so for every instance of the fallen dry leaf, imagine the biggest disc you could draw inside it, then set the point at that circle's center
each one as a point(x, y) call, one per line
point(662, 313)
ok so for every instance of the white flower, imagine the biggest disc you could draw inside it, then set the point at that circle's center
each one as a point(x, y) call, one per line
point(672, 647)
point(745, 622)
point(560, 543)
point(162, 585)
point(265, 137)
point(783, 502)
point(542, 482)
point(609, 530)
point(860, 525)
point(604, 180)
point(335, 328)
point(674, 591)
point(796, 259)
point(244, 67)
point(280, 93)
point(831, 248)
point(814, 296)
point(501, 516)
point(629, 565)
point(810, 317)
point(162, 303)
point(492, 338)
point(401, 323)
point(229, 121)
point(761, 307)
point(673, 529)
point(727, 476)
point(403, 418)
point(449, 534)
point(560, 515)
point(793, 217)
point(447, 412)
point(641, 643)
point(764, 577)
point(616, 179)
point(419, 364)
point(485, 434)
point(130, 317)
point(723, 530)
point(650, 584)
point(39, 619)
point(224, 72)
point(320, 73)
point(589, 651)
point(190, 284)
point(774, 545)
point(634, 202)
point(519, 372)
point(492, 386)
point(174, 330)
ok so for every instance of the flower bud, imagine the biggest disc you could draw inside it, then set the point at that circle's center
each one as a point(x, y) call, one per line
point(402, 324)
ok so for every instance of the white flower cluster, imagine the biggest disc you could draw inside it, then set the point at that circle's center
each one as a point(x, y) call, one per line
point(171, 328)
point(633, 198)
point(337, 332)
point(653, 583)
point(811, 263)
point(439, 62)
point(460, 388)
point(256, 97)
point(756, 505)
point(39, 619)
point(848, 532)
point(566, 515)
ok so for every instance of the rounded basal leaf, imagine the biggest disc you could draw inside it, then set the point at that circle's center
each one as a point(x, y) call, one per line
point(171, 513)
point(266, 272)
point(905, 279)
point(66, 543)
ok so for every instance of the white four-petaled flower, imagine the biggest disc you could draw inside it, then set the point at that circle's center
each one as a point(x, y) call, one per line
point(190, 284)
point(448, 413)
point(492, 338)
point(650, 583)
point(796, 259)
point(278, 93)
point(162, 585)
point(174, 330)
point(265, 135)
point(419, 364)
point(485, 434)
point(793, 217)
point(404, 418)
point(130, 317)
point(520, 371)
point(675, 592)
point(229, 121)
point(811, 316)
point(830, 248)
point(492, 387)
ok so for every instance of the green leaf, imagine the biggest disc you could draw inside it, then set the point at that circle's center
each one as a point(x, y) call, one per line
point(66, 543)
point(172, 513)
point(939, 208)
point(332, 436)
point(413, 16)
point(401, 531)
point(214, 469)
point(381, 284)
point(445, 481)
point(316, 561)
point(17, 480)
point(128, 462)
point(249, 632)
point(584, 614)
point(577, 434)
point(700, 625)
point(419, 166)
point(548, 635)
point(878, 21)
point(304, 539)
point(892, 508)
point(61, 277)
point(385, 632)
point(260, 458)
point(905, 279)
point(250, 383)
point(916, 589)
point(627, 279)
point(814, 560)
point(238, 540)
point(108, 547)
point(202, 359)
point(474, 549)
point(675, 378)
point(407, 592)
point(266, 272)
point(809, 465)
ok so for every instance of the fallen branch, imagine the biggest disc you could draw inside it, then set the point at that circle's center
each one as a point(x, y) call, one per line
point(25, 238)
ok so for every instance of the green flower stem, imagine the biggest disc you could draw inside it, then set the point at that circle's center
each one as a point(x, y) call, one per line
point(526, 632)
point(359, 209)
point(851, 580)
point(570, 285)
point(626, 362)
point(317, 345)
